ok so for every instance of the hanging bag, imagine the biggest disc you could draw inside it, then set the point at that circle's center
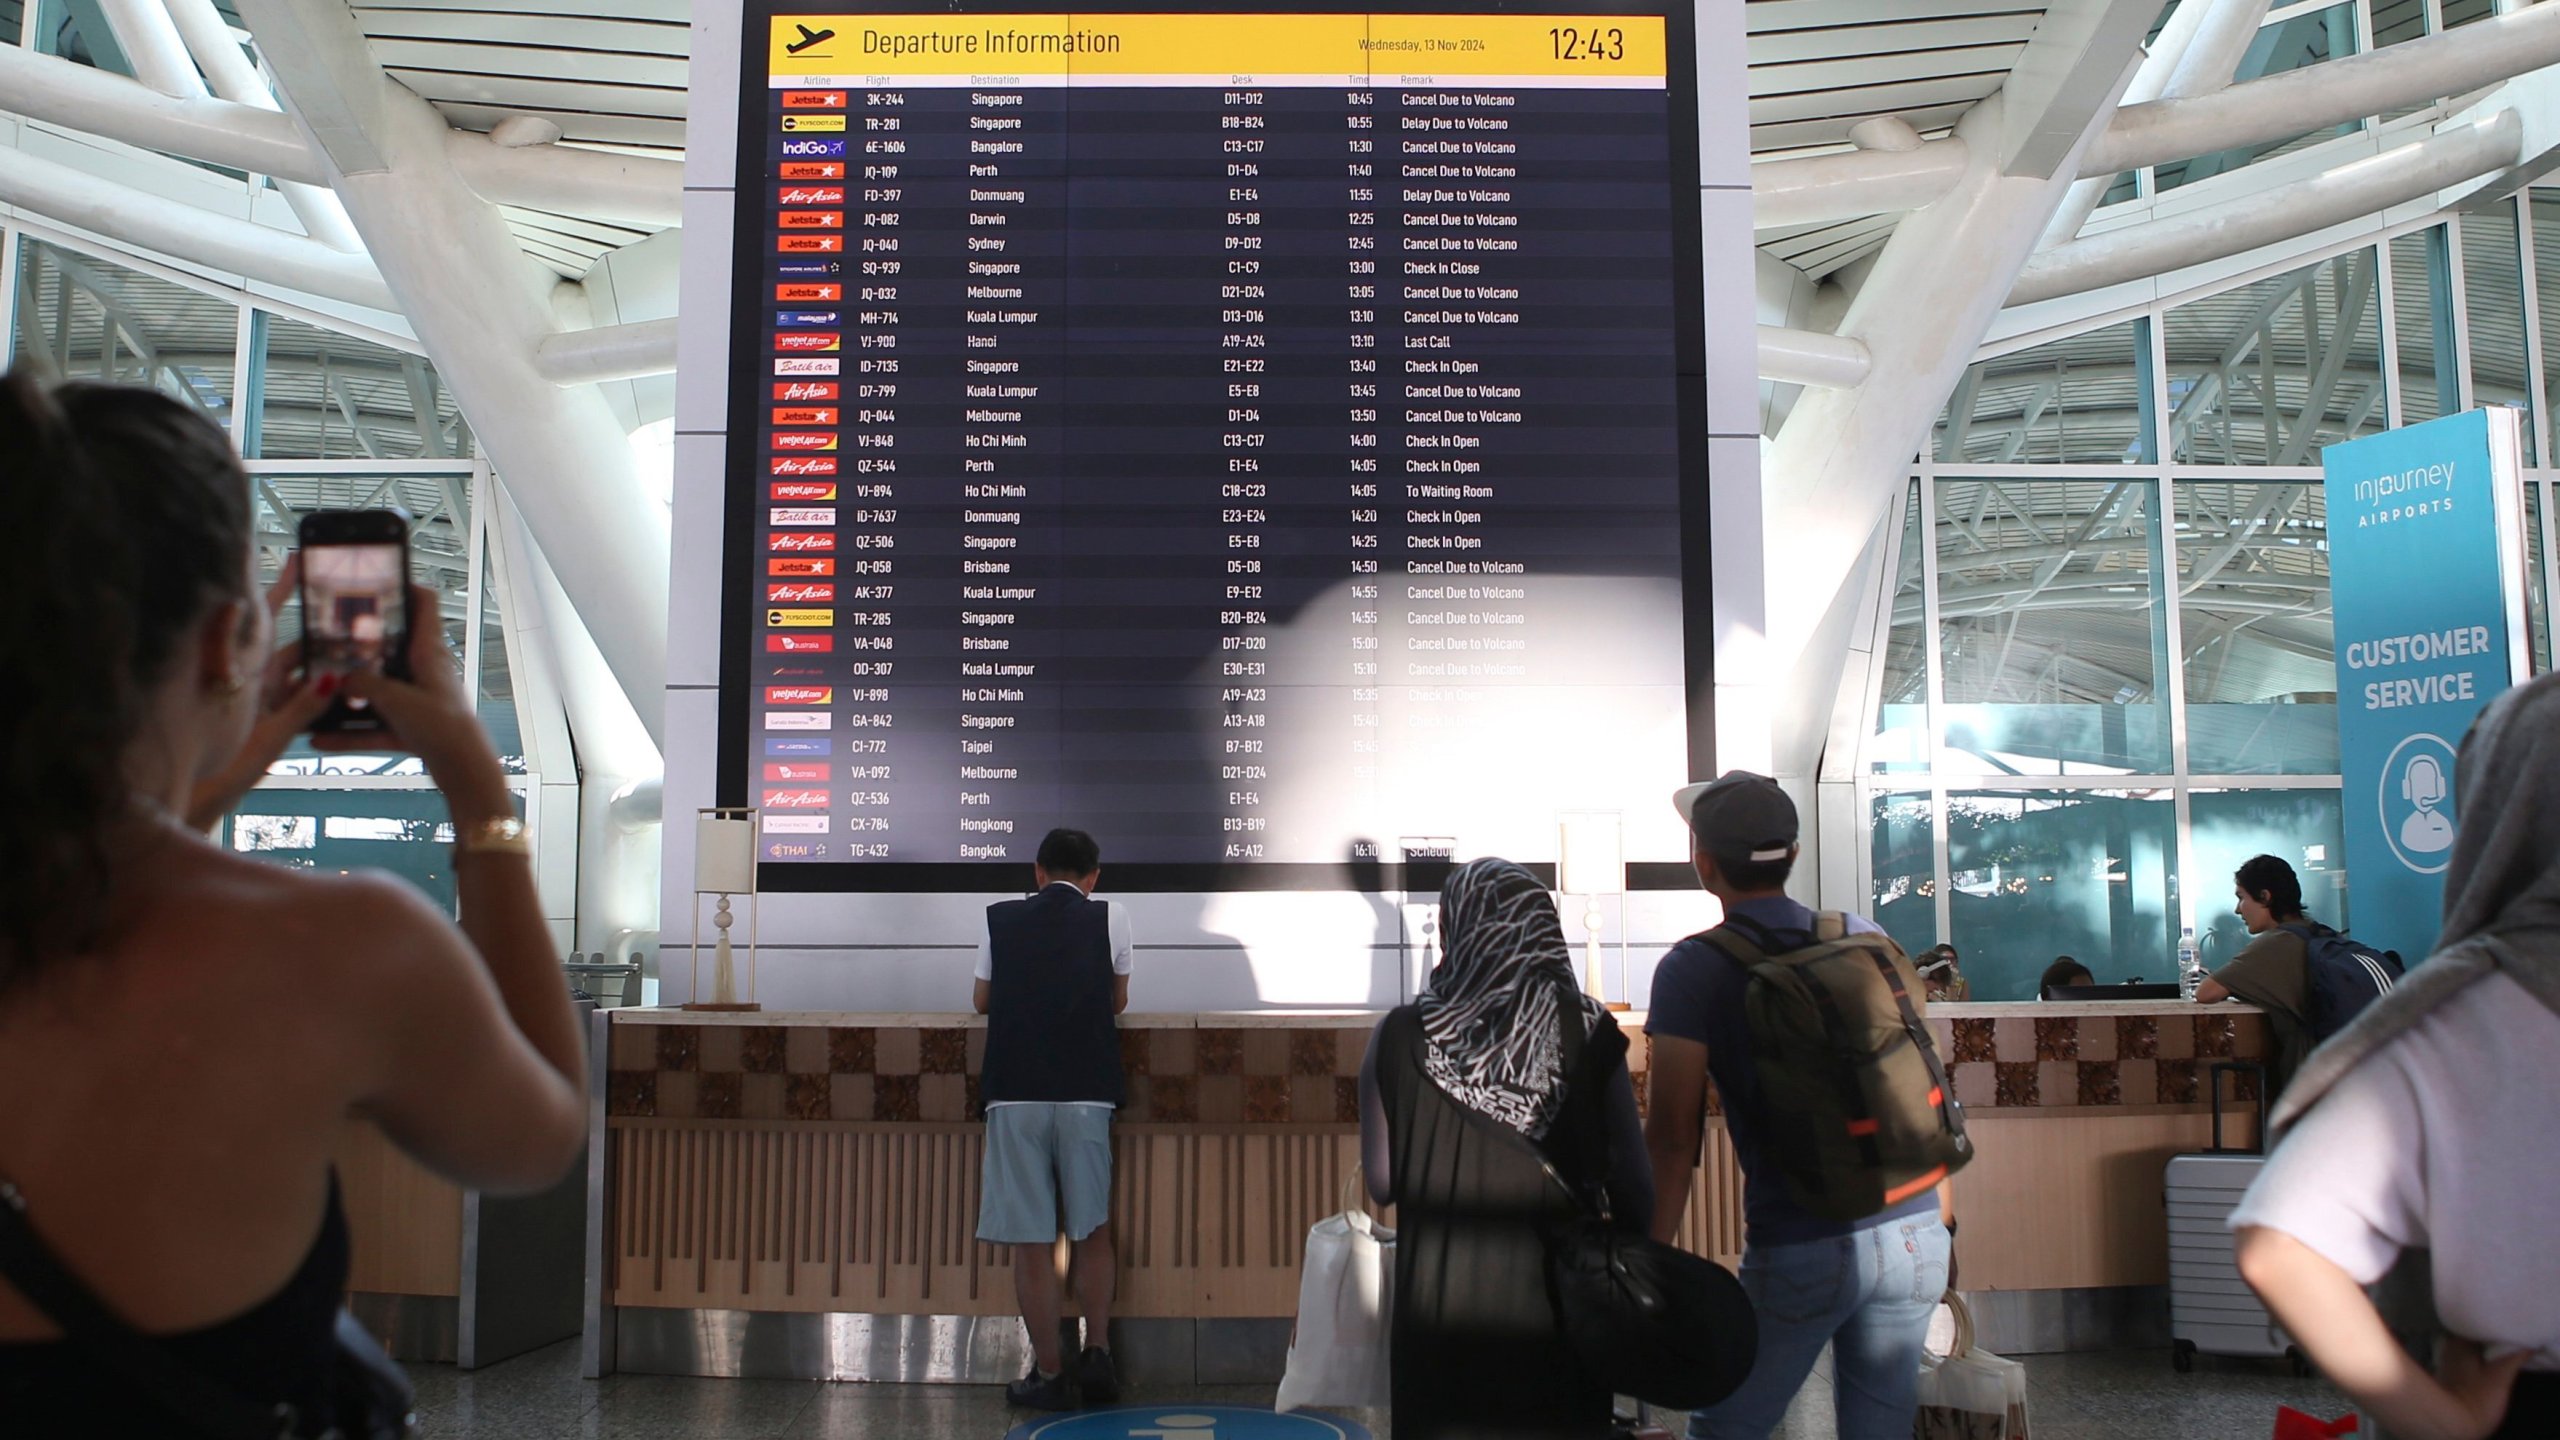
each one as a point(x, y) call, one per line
point(1346, 1301)
point(1970, 1393)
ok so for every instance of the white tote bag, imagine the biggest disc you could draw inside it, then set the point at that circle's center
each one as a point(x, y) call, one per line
point(1970, 1393)
point(1346, 1293)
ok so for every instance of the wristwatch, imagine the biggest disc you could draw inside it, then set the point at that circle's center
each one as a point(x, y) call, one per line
point(505, 835)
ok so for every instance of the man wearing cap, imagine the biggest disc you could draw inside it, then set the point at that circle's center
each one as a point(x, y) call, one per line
point(1865, 1287)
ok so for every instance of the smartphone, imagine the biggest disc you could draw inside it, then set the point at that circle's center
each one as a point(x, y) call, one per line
point(355, 602)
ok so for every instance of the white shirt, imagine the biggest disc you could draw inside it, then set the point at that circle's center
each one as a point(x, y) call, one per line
point(2449, 1138)
point(1116, 918)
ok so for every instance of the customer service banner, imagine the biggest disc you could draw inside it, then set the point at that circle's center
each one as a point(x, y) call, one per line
point(2426, 578)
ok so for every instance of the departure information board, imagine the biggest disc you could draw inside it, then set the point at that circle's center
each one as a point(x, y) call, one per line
point(1251, 437)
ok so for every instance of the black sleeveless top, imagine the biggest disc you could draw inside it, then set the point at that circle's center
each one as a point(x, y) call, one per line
point(1052, 1035)
point(1478, 1350)
point(282, 1349)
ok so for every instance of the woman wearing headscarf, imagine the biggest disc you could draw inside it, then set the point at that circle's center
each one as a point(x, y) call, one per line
point(2429, 1124)
point(1467, 1096)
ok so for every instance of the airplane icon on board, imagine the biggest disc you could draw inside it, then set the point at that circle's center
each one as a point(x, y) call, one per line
point(808, 38)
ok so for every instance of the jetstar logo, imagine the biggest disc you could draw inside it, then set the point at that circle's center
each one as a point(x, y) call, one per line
point(799, 619)
point(788, 541)
point(799, 720)
point(799, 319)
point(813, 170)
point(800, 567)
point(800, 644)
point(795, 799)
point(801, 515)
point(804, 465)
point(811, 220)
point(812, 149)
point(799, 695)
point(794, 825)
point(794, 415)
point(800, 592)
point(811, 195)
point(800, 773)
point(809, 340)
point(811, 245)
point(805, 293)
point(812, 99)
point(804, 440)
point(803, 490)
point(806, 390)
point(799, 747)
point(813, 124)
point(807, 365)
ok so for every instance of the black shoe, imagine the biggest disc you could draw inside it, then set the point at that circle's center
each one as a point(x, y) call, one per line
point(1034, 1392)
point(1097, 1377)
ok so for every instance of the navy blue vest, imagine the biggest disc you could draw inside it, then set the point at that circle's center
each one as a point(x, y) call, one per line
point(1052, 1034)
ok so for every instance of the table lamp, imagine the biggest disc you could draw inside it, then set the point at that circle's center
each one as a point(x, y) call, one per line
point(1591, 861)
point(724, 864)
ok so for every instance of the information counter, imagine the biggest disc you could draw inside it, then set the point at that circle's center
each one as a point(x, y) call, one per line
point(752, 1168)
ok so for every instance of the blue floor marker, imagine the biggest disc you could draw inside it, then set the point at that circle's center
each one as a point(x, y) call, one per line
point(1174, 1420)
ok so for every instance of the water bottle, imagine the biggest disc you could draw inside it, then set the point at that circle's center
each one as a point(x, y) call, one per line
point(2190, 968)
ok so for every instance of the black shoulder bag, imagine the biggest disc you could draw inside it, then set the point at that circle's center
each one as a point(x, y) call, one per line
point(375, 1400)
point(1644, 1318)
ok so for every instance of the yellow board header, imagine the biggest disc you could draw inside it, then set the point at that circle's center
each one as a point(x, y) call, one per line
point(1361, 49)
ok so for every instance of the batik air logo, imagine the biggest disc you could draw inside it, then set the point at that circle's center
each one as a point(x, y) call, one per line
point(808, 365)
point(801, 515)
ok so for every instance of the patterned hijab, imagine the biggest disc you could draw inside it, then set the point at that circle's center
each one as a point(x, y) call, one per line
point(1491, 1020)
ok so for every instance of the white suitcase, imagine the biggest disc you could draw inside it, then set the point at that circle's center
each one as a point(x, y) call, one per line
point(2211, 1309)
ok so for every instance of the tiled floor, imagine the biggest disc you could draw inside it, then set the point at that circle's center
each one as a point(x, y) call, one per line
point(2112, 1395)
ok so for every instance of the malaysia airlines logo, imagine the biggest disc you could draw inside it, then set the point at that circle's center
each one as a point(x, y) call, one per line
point(809, 340)
point(804, 465)
point(810, 195)
point(803, 390)
point(801, 515)
point(813, 170)
point(795, 799)
point(799, 592)
point(799, 644)
point(804, 440)
point(802, 319)
point(780, 566)
point(799, 747)
point(808, 365)
point(795, 415)
point(802, 772)
point(788, 541)
point(813, 149)
point(810, 245)
point(812, 99)
point(799, 695)
point(802, 490)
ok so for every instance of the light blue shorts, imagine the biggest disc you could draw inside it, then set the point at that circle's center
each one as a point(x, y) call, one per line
point(1048, 1168)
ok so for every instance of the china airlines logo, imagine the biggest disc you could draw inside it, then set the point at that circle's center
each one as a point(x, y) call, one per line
point(804, 465)
point(807, 365)
point(801, 515)
point(795, 799)
point(802, 490)
point(810, 195)
point(801, 773)
point(807, 390)
point(799, 695)
point(799, 567)
point(798, 592)
point(799, 747)
point(787, 541)
point(803, 440)
point(799, 644)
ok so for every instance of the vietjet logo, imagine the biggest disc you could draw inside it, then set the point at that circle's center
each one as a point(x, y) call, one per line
point(799, 567)
point(813, 124)
point(799, 619)
point(813, 170)
point(806, 293)
point(811, 195)
point(788, 541)
point(799, 644)
point(799, 319)
point(807, 365)
point(810, 245)
point(795, 799)
point(805, 465)
point(802, 772)
point(807, 390)
point(798, 591)
point(801, 515)
point(799, 720)
point(803, 490)
point(791, 415)
point(809, 340)
point(810, 149)
point(811, 220)
point(799, 695)
point(812, 99)
point(804, 440)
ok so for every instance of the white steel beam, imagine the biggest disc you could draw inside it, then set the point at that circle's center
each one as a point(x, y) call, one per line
point(2150, 78)
point(2237, 226)
point(2068, 79)
point(98, 102)
point(624, 189)
point(233, 78)
point(2212, 55)
point(480, 307)
point(142, 30)
point(612, 352)
point(1822, 188)
point(1798, 357)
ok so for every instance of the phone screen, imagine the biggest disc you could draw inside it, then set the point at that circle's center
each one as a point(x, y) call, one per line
point(355, 601)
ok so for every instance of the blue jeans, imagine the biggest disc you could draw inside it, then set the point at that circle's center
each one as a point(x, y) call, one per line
point(1869, 1295)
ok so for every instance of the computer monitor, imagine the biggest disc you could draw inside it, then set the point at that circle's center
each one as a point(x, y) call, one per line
point(2114, 992)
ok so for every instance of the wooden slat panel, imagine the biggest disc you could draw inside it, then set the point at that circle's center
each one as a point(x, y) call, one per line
point(405, 1224)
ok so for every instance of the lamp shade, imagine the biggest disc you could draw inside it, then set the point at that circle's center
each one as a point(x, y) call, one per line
point(724, 854)
point(1591, 853)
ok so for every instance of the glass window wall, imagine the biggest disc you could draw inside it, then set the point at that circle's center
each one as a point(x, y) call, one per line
point(79, 317)
point(2253, 593)
point(2268, 373)
point(2493, 314)
point(2422, 313)
point(1902, 711)
point(1904, 858)
point(2288, 44)
point(2085, 400)
point(326, 396)
point(2037, 875)
point(2303, 828)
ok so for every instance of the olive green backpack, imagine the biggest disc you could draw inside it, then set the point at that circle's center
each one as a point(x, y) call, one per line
point(1860, 1116)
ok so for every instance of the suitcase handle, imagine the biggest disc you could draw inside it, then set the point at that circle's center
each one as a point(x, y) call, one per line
point(2214, 1078)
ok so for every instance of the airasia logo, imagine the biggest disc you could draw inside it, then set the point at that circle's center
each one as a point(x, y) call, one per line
point(788, 541)
point(803, 440)
point(810, 220)
point(813, 195)
point(799, 567)
point(813, 170)
point(803, 773)
point(800, 644)
point(795, 799)
point(798, 592)
point(803, 490)
point(799, 695)
point(812, 99)
point(806, 465)
point(789, 416)
point(807, 390)
point(808, 340)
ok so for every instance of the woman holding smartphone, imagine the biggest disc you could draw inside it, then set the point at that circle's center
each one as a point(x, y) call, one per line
point(185, 1032)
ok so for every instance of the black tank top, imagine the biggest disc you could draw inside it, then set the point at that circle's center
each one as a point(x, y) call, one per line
point(282, 1349)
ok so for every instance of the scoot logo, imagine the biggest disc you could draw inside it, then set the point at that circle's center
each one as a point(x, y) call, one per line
point(799, 619)
point(813, 124)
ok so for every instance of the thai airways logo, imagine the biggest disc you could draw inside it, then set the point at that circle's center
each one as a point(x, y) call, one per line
point(813, 124)
point(799, 619)
point(795, 799)
point(794, 566)
point(813, 170)
point(789, 541)
point(801, 515)
point(801, 319)
point(810, 220)
point(799, 720)
point(809, 340)
point(798, 592)
point(799, 644)
point(799, 695)
point(799, 747)
point(807, 365)
point(802, 490)
point(813, 149)
point(812, 195)
point(799, 772)
point(804, 465)
point(812, 99)
point(810, 245)
point(806, 390)
point(804, 440)
point(803, 415)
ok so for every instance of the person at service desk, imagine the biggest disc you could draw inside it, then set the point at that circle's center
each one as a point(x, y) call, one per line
point(1941, 976)
point(2427, 1124)
point(2063, 972)
point(1464, 1102)
point(2272, 971)
point(185, 1032)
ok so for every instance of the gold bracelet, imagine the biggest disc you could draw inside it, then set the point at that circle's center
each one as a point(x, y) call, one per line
point(505, 835)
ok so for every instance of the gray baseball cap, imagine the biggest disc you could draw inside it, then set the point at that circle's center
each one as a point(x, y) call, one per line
point(1739, 815)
